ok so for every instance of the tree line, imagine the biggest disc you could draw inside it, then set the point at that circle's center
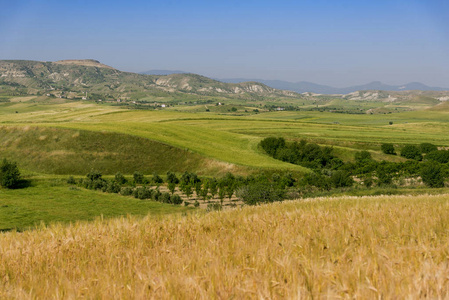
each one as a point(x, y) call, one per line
point(424, 161)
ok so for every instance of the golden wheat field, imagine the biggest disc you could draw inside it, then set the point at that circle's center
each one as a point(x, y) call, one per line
point(390, 247)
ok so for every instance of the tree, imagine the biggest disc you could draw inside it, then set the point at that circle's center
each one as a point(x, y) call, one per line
point(411, 152)
point(383, 175)
point(94, 175)
point(213, 187)
point(362, 157)
point(427, 147)
point(272, 144)
point(139, 178)
point(341, 178)
point(260, 192)
point(119, 178)
point(157, 179)
point(221, 194)
point(172, 187)
point(188, 190)
point(431, 174)
point(171, 178)
point(441, 156)
point(9, 174)
point(388, 149)
point(198, 189)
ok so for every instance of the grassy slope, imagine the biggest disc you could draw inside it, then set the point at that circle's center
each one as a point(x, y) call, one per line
point(373, 247)
point(234, 139)
point(49, 201)
point(68, 151)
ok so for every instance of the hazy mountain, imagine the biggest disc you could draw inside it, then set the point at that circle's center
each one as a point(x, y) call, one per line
point(79, 76)
point(304, 86)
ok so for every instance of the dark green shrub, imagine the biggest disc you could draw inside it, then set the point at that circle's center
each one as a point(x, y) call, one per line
point(142, 192)
point(71, 180)
point(314, 179)
point(156, 195)
point(171, 187)
point(257, 193)
point(431, 174)
point(362, 157)
point(176, 199)
point(97, 184)
point(113, 187)
point(94, 175)
point(388, 149)
point(272, 144)
point(139, 178)
point(171, 178)
point(341, 178)
point(165, 198)
point(9, 174)
point(427, 147)
point(368, 182)
point(126, 191)
point(411, 152)
point(196, 203)
point(441, 156)
point(119, 178)
point(383, 177)
point(157, 179)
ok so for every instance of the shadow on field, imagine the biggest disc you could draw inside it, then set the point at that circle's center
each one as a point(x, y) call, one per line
point(22, 184)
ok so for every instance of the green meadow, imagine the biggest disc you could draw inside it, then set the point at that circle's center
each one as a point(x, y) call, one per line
point(51, 200)
point(56, 137)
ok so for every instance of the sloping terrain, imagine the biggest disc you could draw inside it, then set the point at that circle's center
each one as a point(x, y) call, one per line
point(65, 151)
point(73, 78)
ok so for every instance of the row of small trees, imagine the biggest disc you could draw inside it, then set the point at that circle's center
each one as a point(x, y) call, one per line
point(251, 189)
point(120, 185)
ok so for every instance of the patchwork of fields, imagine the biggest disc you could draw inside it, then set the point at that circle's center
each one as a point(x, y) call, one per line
point(233, 139)
point(91, 244)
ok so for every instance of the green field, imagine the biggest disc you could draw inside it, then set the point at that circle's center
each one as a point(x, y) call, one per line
point(49, 137)
point(52, 200)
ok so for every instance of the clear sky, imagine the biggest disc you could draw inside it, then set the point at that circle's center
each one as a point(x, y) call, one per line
point(339, 43)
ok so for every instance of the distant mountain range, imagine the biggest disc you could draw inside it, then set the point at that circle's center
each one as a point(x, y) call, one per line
point(304, 86)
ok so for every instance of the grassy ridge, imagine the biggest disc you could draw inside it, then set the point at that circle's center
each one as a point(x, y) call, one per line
point(372, 247)
point(63, 151)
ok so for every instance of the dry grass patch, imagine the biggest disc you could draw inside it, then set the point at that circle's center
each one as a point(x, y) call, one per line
point(386, 247)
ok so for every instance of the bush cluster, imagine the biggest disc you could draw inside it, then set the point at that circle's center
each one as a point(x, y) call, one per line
point(9, 174)
point(309, 155)
point(425, 161)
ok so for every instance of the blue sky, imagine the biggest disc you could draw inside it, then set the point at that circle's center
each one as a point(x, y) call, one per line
point(339, 43)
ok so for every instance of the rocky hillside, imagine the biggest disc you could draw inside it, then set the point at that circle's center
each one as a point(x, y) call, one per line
point(79, 76)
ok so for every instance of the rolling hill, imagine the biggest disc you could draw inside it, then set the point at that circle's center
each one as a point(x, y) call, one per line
point(72, 78)
point(304, 86)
